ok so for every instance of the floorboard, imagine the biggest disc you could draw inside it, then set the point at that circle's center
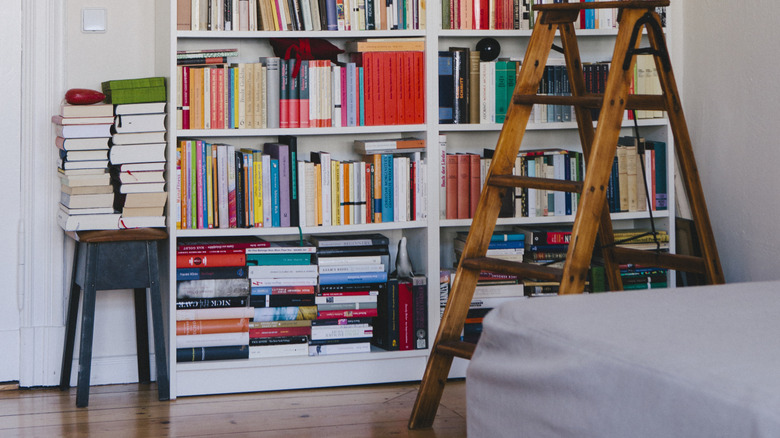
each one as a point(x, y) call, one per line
point(133, 410)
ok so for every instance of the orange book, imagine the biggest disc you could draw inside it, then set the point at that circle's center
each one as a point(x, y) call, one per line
point(377, 206)
point(474, 183)
point(274, 332)
point(209, 260)
point(203, 326)
point(346, 190)
point(464, 169)
point(451, 169)
point(196, 98)
point(387, 68)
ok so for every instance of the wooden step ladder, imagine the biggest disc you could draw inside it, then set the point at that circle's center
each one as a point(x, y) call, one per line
point(599, 147)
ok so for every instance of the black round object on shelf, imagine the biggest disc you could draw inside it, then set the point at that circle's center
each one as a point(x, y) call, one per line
point(488, 48)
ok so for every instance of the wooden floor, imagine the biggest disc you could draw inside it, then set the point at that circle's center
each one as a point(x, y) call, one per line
point(133, 411)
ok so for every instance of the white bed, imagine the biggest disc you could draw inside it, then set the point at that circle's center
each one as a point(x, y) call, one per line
point(688, 362)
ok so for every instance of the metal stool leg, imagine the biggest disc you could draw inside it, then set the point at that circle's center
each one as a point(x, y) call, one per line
point(70, 324)
point(142, 335)
point(163, 384)
point(87, 326)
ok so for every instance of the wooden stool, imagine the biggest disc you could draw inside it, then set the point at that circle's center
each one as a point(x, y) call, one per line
point(115, 259)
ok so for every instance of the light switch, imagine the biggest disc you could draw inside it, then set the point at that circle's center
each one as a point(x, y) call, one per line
point(93, 20)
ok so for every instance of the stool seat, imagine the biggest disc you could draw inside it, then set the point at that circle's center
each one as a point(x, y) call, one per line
point(108, 260)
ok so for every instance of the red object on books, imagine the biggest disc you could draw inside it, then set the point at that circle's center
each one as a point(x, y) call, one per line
point(83, 96)
point(206, 260)
point(463, 186)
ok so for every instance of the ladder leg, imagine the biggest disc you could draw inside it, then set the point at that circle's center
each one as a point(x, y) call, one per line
point(584, 118)
point(592, 202)
point(438, 367)
point(684, 152)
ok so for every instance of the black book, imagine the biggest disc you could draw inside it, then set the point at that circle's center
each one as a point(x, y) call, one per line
point(386, 334)
point(341, 321)
point(239, 163)
point(283, 300)
point(211, 303)
point(338, 341)
point(212, 353)
point(508, 198)
point(292, 146)
point(355, 287)
point(276, 340)
point(353, 251)
point(420, 311)
point(460, 73)
point(341, 241)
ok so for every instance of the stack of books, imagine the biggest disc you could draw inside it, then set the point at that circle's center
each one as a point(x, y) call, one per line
point(212, 297)
point(137, 155)
point(283, 281)
point(86, 199)
point(353, 274)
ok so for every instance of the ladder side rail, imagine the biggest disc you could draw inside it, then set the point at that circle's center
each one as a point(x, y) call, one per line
point(585, 123)
point(451, 325)
point(593, 199)
point(684, 152)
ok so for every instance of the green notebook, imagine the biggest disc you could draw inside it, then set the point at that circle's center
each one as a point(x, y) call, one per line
point(122, 84)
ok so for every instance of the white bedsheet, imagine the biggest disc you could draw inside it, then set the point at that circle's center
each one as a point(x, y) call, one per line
point(688, 362)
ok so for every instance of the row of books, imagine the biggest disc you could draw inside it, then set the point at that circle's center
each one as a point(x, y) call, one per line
point(382, 88)
point(254, 299)
point(474, 91)
point(299, 15)
point(486, 14)
point(635, 177)
point(221, 186)
point(464, 176)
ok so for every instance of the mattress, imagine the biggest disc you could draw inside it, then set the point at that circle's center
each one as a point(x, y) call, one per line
point(688, 362)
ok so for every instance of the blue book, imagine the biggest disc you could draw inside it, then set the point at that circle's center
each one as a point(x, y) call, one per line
point(509, 244)
point(387, 188)
point(288, 313)
point(353, 278)
point(183, 274)
point(567, 177)
point(330, 11)
point(230, 89)
point(360, 97)
point(503, 237)
point(661, 199)
point(351, 95)
point(446, 88)
point(275, 212)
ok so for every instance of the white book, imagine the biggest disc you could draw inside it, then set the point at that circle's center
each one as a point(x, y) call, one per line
point(222, 186)
point(83, 222)
point(282, 271)
point(278, 350)
point(212, 340)
point(139, 108)
point(341, 261)
point(301, 281)
point(87, 200)
point(347, 299)
point(85, 180)
point(326, 188)
point(93, 210)
point(327, 349)
point(267, 213)
point(142, 166)
point(500, 290)
point(207, 98)
point(311, 204)
point(442, 176)
point(141, 222)
point(215, 313)
point(142, 188)
point(138, 137)
point(139, 123)
point(140, 177)
point(331, 269)
point(336, 96)
point(83, 131)
point(302, 193)
point(340, 332)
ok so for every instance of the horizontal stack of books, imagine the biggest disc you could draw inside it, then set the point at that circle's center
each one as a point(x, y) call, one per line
point(86, 198)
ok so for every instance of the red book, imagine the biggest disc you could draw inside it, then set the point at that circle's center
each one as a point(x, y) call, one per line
point(388, 69)
point(294, 90)
point(275, 332)
point(343, 89)
point(474, 183)
point(405, 318)
point(209, 251)
point(419, 88)
point(220, 98)
point(368, 87)
point(346, 293)
point(209, 260)
point(203, 326)
point(451, 169)
point(214, 98)
point(484, 18)
point(347, 313)
point(375, 61)
point(464, 169)
point(284, 94)
point(185, 97)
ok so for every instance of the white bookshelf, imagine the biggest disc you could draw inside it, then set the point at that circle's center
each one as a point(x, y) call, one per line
point(430, 239)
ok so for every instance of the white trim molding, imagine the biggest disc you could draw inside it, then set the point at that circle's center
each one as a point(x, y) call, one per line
point(41, 276)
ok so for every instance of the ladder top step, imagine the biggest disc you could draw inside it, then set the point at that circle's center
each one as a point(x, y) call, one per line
point(652, 102)
point(634, 4)
point(535, 183)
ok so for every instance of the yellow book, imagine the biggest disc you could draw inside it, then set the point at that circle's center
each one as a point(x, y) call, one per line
point(335, 192)
point(346, 171)
point(257, 167)
point(209, 219)
point(318, 195)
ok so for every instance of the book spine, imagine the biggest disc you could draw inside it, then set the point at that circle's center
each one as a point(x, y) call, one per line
point(197, 354)
point(405, 316)
point(208, 303)
point(196, 327)
point(347, 313)
point(210, 260)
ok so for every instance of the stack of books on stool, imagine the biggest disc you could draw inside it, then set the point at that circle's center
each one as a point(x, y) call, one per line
point(86, 199)
point(137, 153)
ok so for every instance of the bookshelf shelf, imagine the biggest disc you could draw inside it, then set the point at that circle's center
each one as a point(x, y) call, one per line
point(431, 245)
point(348, 130)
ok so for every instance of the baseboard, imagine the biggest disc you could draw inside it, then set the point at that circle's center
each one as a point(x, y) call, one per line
point(112, 370)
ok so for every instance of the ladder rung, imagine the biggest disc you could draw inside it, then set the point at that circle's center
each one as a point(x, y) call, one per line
point(679, 262)
point(457, 348)
point(528, 182)
point(650, 102)
point(523, 270)
point(634, 4)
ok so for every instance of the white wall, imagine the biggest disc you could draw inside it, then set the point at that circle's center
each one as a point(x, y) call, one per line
point(10, 126)
point(126, 50)
point(731, 98)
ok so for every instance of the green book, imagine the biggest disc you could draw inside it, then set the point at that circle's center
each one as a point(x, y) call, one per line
point(278, 259)
point(502, 102)
point(123, 84)
point(136, 95)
